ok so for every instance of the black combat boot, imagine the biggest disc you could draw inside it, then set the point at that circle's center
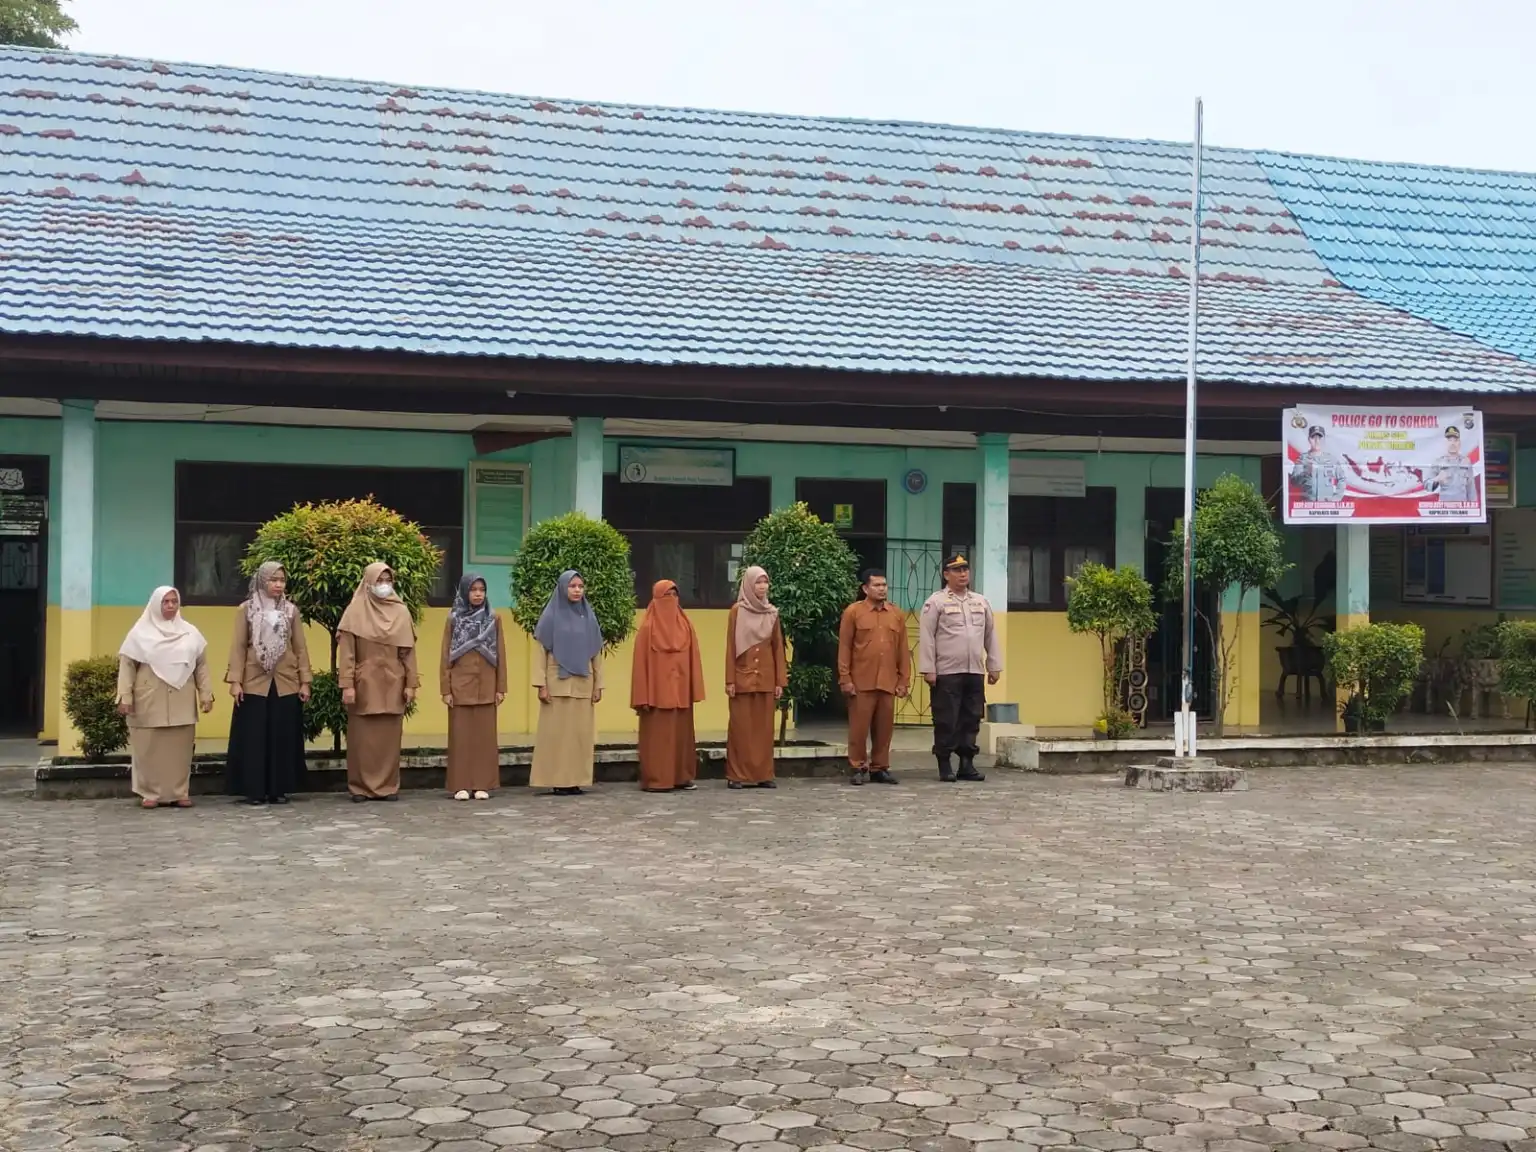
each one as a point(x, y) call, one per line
point(968, 768)
point(946, 769)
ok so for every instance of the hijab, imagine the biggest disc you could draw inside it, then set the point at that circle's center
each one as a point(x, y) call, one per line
point(668, 672)
point(474, 629)
point(171, 647)
point(755, 617)
point(569, 631)
point(268, 622)
point(384, 620)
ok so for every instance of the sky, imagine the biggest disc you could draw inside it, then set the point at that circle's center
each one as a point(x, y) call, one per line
point(1430, 81)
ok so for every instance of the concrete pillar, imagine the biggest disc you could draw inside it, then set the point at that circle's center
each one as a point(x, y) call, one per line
point(75, 521)
point(587, 433)
point(989, 567)
point(1352, 590)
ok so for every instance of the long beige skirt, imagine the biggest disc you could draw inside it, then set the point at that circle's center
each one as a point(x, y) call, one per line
point(162, 762)
point(562, 747)
point(749, 737)
point(474, 757)
point(373, 754)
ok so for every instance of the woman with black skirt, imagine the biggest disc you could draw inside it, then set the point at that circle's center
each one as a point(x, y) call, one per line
point(269, 678)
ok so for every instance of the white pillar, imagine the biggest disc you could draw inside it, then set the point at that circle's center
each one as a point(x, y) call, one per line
point(587, 434)
point(989, 567)
point(75, 520)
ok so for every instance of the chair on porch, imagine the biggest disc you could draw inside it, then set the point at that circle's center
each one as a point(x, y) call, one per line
point(1304, 663)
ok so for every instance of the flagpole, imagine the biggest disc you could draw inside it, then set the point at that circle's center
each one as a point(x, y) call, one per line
point(1184, 729)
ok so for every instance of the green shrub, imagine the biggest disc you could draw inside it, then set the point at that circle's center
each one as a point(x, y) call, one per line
point(1114, 605)
point(1377, 664)
point(324, 549)
point(1517, 660)
point(594, 548)
point(90, 702)
point(1480, 643)
point(813, 576)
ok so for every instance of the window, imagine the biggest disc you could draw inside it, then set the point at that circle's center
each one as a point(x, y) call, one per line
point(1050, 538)
point(219, 508)
point(689, 535)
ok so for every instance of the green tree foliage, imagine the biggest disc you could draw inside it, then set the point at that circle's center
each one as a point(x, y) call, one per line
point(594, 548)
point(1377, 664)
point(1517, 660)
point(813, 575)
point(1115, 605)
point(324, 549)
point(34, 23)
point(1236, 545)
point(90, 702)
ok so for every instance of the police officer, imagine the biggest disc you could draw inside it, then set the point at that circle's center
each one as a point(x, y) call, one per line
point(1452, 472)
point(1317, 474)
point(957, 647)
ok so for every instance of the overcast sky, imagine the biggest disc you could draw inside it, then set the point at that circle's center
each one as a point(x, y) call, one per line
point(1435, 81)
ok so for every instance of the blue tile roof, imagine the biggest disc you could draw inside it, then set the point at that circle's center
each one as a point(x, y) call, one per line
point(182, 202)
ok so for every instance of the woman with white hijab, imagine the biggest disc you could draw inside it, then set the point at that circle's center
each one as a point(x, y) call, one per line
point(162, 681)
point(269, 678)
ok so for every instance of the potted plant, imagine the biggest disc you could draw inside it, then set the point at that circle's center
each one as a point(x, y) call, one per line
point(1377, 665)
point(1116, 606)
point(1480, 663)
point(90, 702)
point(1517, 662)
point(814, 575)
point(1237, 546)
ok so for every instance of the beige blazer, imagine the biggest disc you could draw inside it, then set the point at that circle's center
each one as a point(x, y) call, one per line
point(155, 703)
point(292, 671)
point(380, 673)
point(546, 674)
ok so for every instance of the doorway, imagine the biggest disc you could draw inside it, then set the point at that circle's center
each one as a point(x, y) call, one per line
point(23, 592)
point(1165, 650)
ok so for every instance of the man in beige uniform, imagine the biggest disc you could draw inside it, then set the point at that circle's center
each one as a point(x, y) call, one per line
point(956, 648)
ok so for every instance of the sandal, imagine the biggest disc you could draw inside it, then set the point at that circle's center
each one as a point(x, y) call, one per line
point(148, 804)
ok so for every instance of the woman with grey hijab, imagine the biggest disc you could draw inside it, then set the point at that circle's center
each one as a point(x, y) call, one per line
point(568, 672)
point(269, 678)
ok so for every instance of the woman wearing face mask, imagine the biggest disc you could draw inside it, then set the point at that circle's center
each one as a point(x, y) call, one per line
point(269, 678)
point(376, 668)
point(473, 682)
point(162, 681)
point(755, 679)
point(569, 676)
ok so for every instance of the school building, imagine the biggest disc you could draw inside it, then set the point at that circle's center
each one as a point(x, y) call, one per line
point(222, 292)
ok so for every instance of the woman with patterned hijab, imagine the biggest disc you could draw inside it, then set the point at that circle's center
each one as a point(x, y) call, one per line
point(568, 672)
point(376, 669)
point(162, 683)
point(269, 678)
point(668, 680)
point(473, 682)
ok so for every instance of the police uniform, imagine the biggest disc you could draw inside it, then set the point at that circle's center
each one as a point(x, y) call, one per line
point(1319, 477)
point(957, 645)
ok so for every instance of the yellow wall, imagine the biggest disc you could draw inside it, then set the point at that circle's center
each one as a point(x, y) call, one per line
point(1248, 667)
point(518, 714)
point(1055, 676)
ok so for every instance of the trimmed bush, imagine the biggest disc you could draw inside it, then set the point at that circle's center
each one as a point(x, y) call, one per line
point(90, 702)
point(594, 548)
point(1115, 605)
point(813, 576)
point(1377, 664)
point(324, 549)
point(1517, 661)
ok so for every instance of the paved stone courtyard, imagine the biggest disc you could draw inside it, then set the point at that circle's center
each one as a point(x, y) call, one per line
point(1336, 959)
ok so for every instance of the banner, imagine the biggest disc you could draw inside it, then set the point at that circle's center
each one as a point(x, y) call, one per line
point(1384, 465)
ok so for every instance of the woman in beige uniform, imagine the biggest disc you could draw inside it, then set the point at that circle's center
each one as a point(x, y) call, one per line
point(569, 676)
point(162, 681)
point(269, 678)
point(755, 679)
point(376, 668)
point(473, 682)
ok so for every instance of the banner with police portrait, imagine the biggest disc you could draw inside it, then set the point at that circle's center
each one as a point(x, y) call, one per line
point(1383, 465)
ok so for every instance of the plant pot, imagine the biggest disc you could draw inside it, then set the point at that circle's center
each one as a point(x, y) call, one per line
point(1355, 726)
